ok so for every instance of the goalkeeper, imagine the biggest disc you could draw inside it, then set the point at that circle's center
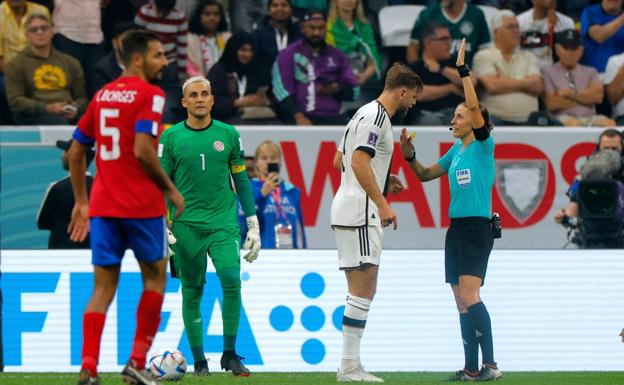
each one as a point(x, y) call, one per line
point(200, 154)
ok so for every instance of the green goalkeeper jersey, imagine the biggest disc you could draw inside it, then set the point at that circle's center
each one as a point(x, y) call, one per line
point(199, 163)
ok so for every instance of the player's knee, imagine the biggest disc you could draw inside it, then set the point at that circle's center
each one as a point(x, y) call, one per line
point(230, 279)
point(101, 299)
point(466, 298)
point(192, 295)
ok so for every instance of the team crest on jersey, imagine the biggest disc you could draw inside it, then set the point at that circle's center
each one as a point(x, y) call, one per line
point(218, 146)
point(466, 28)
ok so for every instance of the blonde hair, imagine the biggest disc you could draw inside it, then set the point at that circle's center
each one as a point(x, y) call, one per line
point(358, 12)
point(195, 79)
point(267, 143)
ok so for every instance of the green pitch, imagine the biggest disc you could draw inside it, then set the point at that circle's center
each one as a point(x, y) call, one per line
point(393, 378)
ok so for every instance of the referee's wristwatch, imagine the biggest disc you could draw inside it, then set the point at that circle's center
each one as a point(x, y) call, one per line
point(411, 158)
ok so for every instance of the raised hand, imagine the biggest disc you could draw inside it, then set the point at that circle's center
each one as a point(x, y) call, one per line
point(461, 53)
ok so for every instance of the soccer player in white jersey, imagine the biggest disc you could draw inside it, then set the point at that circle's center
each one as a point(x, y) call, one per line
point(360, 209)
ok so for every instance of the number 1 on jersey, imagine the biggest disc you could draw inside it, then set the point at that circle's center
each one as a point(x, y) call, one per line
point(203, 159)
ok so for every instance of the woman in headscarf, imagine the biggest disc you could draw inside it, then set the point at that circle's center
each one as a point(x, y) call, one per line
point(238, 80)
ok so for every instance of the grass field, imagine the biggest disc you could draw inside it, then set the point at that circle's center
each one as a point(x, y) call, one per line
point(391, 378)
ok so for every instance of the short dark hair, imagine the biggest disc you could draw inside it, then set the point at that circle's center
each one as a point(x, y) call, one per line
point(136, 41)
point(271, 2)
point(611, 133)
point(195, 25)
point(400, 75)
point(428, 30)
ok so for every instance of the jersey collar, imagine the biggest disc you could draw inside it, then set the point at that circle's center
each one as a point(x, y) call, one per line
point(198, 129)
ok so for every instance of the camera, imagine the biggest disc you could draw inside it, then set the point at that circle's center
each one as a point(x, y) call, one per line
point(273, 167)
point(601, 214)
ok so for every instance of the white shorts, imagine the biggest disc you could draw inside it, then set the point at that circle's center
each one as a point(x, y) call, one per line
point(358, 246)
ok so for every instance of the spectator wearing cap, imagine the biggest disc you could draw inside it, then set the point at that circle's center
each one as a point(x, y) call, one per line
point(311, 78)
point(573, 90)
point(602, 27)
point(509, 75)
point(538, 26)
point(57, 205)
point(614, 81)
point(43, 85)
point(111, 66)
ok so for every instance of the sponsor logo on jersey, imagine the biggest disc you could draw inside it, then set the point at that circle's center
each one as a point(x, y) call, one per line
point(218, 146)
point(372, 139)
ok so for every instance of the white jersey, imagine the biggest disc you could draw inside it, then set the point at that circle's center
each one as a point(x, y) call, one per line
point(368, 130)
point(535, 35)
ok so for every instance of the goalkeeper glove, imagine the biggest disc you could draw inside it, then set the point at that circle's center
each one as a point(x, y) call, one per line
point(172, 240)
point(252, 241)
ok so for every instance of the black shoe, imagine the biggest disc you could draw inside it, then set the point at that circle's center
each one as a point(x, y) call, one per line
point(231, 361)
point(86, 379)
point(490, 372)
point(464, 375)
point(133, 376)
point(201, 368)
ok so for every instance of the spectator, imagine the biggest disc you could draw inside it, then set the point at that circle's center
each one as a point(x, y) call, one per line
point(538, 27)
point(208, 34)
point(57, 205)
point(462, 18)
point(311, 89)
point(164, 19)
point(614, 80)
point(277, 202)
point(510, 76)
point(603, 33)
point(572, 90)
point(78, 33)
point(13, 16)
point(443, 89)
point(349, 31)
point(44, 86)
point(110, 66)
point(238, 82)
point(276, 31)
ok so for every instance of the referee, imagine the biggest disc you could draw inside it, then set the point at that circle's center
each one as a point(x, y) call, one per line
point(469, 240)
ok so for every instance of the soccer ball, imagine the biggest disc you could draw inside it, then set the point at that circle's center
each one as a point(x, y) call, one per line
point(168, 364)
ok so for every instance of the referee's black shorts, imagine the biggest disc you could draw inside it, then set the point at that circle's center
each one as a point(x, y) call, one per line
point(467, 248)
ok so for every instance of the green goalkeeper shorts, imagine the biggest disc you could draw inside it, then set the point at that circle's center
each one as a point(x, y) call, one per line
point(193, 246)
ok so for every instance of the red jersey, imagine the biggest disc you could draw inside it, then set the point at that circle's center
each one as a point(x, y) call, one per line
point(120, 109)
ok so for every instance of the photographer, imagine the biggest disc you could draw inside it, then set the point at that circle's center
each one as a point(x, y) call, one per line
point(605, 164)
point(277, 202)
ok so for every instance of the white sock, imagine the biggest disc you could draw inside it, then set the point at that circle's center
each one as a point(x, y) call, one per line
point(353, 323)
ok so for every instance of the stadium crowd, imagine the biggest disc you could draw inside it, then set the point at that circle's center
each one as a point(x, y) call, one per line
point(540, 62)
